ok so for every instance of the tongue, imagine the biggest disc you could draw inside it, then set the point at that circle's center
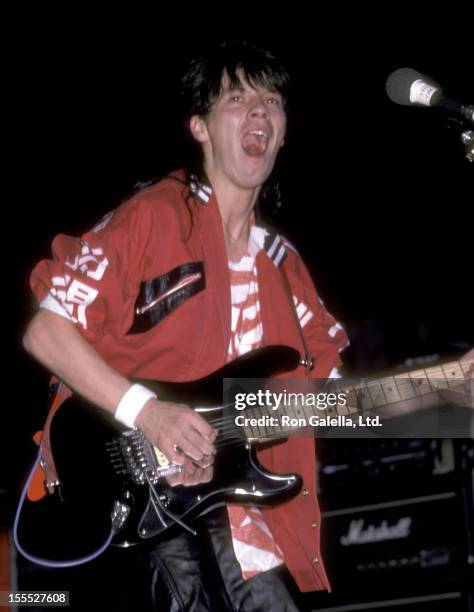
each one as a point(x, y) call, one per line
point(254, 145)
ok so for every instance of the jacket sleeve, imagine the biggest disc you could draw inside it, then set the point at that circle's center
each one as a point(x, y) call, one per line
point(93, 280)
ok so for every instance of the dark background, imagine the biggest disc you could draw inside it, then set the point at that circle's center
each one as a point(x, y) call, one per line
point(378, 197)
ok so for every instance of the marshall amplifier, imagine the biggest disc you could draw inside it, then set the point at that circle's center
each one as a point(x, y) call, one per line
point(414, 553)
point(416, 535)
point(397, 525)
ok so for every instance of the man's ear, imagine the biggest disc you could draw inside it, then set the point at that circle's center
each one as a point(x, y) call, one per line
point(198, 128)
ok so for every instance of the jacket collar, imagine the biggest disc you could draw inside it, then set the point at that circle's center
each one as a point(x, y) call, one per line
point(201, 191)
point(261, 238)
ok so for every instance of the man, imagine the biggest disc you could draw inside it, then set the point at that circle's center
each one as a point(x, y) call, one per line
point(178, 281)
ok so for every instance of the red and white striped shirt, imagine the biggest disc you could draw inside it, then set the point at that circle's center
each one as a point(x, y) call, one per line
point(254, 545)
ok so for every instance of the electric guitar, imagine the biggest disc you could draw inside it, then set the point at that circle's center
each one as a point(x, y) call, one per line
point(110, 475)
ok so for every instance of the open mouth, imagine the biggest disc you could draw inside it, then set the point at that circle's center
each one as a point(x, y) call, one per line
point(255, 142)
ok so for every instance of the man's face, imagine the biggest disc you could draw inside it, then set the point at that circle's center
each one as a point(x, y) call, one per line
point(242, 134)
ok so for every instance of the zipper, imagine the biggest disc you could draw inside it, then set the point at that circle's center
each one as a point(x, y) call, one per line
point(184, 282)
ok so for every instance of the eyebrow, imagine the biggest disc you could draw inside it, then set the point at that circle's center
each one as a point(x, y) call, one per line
point(242, 89)
point(233, 88)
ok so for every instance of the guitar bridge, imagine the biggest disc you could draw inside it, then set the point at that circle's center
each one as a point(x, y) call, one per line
point(131, 454)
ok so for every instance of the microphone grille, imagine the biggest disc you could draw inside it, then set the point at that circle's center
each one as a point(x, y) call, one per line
point(399, 84)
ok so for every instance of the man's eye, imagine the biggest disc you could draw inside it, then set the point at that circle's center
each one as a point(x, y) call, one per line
point(274, 100)
point(236, 98)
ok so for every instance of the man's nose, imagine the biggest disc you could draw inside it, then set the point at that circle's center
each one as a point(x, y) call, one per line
point(258, 108)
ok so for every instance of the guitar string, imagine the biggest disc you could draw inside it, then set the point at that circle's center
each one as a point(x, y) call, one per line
point(226, 424)
point(231, 419)
point(338, 387)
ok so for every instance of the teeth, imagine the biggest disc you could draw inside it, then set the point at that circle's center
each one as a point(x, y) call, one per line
point(259, 133)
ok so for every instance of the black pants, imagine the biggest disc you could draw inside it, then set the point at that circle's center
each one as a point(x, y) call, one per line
point(182, 573)
point(200, 573)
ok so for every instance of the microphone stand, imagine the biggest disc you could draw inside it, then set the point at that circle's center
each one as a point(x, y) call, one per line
point(466, 137)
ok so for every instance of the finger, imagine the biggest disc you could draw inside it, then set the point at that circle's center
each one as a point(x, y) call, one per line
point(174, 479)
point(195, 439)
point(203, 427)
point(201, 475)
point(174, 453)
point(195, 447)
point(191, 450)
point(205, 462)
point(189, 475)
point(196, 478)
point(207, 474)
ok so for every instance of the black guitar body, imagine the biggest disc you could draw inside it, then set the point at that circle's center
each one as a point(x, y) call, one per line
point(96, 458)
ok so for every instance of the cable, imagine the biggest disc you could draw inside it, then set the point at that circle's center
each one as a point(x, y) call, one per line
point(50, 562)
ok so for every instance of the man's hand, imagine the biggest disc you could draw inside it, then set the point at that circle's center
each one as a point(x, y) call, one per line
point(183, 436)
point(463, 394)
point(467, 356)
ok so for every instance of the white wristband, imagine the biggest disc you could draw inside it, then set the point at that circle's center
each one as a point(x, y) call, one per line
point(132, 403)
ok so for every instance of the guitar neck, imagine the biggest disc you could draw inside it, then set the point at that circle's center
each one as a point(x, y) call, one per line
point(381, 392)
point(363, 397)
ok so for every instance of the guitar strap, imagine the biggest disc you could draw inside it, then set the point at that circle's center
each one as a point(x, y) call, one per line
point(307, 361)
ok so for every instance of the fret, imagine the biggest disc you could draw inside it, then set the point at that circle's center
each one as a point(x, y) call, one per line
point(257, 412)
point(336, 388)
point(464, 366)
point(297, 410)
point(421, 383)
point(279, 430)
point(259, 431)
point(248, 432)
point(308, 411)
point(364, 396)
point(416, 373)
point(254, 432)
point(376, 392)
point(352, 405)
point(264, 411)
point(434, 372)
point(342, 410)
point(352, 393)
point(390, 389)
point(364, 400)
point(454, 374)
point(405, 386)
point(437, 377)
point(330, 411)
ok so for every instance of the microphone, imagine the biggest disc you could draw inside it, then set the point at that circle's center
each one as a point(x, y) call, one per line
point(407, 86)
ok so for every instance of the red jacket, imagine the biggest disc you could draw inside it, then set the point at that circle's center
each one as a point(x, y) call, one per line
point(145, 249)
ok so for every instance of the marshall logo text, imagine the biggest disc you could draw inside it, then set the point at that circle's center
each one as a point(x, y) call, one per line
point(357, 534)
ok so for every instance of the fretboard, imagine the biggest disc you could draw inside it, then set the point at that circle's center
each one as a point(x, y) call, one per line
point(365, 396)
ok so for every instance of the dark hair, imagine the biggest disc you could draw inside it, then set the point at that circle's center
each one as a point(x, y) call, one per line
point(201, 85)
point(202, 82)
